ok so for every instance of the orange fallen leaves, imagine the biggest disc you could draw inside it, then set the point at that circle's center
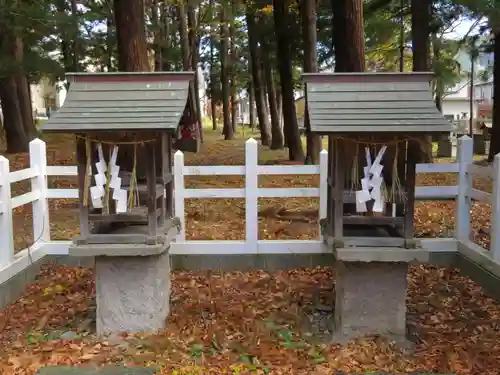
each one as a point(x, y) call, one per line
point(253, 315)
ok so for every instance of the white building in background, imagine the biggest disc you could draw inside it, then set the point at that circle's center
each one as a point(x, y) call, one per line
point(45, 95)
point(484, 91)
point(456, 103)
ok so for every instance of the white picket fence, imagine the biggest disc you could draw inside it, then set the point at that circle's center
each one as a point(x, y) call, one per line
point(11, 263)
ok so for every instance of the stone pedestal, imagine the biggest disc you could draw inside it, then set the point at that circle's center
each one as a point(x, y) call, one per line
point(479, 144)
point(132, 293)
point(370, 300)
point(444, 148)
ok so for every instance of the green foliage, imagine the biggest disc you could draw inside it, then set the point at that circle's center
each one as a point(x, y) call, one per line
point(484, 8)
point(32, 23)
point(383, 37)
point(446, 68)
point(45, 26)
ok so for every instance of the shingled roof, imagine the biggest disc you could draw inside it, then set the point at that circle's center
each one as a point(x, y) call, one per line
point(122, 101)
point(373, 102)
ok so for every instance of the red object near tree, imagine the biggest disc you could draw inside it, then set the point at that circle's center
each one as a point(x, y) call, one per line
point(188, 131)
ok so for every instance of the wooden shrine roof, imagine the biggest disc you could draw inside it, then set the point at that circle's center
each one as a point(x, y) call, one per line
point(373, 102)
point(122, 101)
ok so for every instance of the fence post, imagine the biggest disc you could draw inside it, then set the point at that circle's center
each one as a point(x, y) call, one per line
point(41, 223)
point(495, 211)
point(6, 228)
point(323, 187)
point(462, 216)
point(251, 195)
point(179, 193)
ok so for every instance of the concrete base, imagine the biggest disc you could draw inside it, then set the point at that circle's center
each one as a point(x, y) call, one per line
point(381, 254)
point(127, 249)
point(113, 250)
point(479, 144)
point(370, 300)
point(132, 293)
point(15, 287)
point(444, 148)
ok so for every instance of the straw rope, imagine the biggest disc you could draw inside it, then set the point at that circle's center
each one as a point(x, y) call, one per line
point(133, 182)
point(133, 188)
point(108, 178)
point(374, 141)
point(117, 142)
point(88, 177)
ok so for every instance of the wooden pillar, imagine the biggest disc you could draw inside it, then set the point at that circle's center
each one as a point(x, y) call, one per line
point(329, 198)
point(338, 196)
point(151, 184)
point(164, 175)
point(81, 159)
point(410, 181)
point(169, 187)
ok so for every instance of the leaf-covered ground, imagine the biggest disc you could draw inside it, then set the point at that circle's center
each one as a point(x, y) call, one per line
point(252, 320)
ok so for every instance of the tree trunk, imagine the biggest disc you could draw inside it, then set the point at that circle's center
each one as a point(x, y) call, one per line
point(234, 107)
point(439, 87)
point(258, 82)
point(156, 21)
point(349, 26)
point(23, 88)
point(110, 42)
point(132, 57)
point(227, 129)
point(12, 107)
point(402, 40)
point(131, 36)
point(251, 105)
point(276, 133)
point(17, 140)
point(75, 46)
point(62, 9)
point(24, 97)
point(175, 41)
point(283, 23)
point(349, 57)
point(420, 35)
point(184, 34)
point(233, 59)
point(308, 16)
point(495, 136)
point(166, 42)
point(420, 31)
point(263, 75)
point(213, 76)
point(194, 44)
point(279, 102)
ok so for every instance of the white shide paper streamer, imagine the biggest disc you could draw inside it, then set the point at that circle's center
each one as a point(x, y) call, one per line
point(97, 191)
point(119, 194)
point(371, 183)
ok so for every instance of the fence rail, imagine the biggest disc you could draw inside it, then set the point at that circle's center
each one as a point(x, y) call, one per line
point(40, 193)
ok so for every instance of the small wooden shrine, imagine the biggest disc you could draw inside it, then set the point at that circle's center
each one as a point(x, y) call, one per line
point(124, 124)
point(376, 125)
